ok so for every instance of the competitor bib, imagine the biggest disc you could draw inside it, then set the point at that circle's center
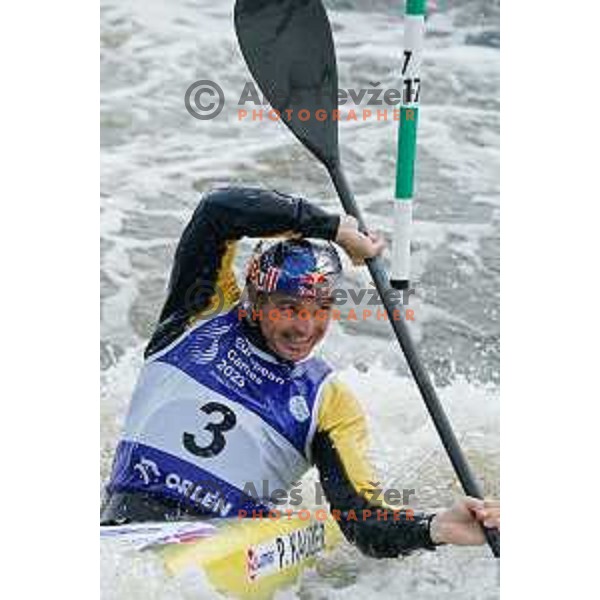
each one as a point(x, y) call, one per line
point(213, 417)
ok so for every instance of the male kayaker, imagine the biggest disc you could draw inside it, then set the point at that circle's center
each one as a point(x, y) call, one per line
point(231, 396)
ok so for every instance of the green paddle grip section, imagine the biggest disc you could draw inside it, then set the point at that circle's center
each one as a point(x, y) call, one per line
point(416, 7)
point(407, 148)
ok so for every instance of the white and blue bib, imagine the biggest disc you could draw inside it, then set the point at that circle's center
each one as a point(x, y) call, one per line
point(214, 420)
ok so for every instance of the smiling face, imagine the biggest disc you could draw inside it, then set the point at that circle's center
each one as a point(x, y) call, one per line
point(293, 326)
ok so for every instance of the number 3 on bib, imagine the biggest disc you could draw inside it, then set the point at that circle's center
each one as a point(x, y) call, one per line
point(218, 441)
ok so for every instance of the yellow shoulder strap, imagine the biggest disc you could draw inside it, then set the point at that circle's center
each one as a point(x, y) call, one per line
point(342, 418)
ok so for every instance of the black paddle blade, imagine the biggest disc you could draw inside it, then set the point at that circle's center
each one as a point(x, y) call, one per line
point(288, 47)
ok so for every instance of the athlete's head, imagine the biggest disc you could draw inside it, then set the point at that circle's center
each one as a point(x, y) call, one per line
point(290, 284)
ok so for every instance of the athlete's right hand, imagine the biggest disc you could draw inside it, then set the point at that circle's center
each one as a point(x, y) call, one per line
point(356, 244)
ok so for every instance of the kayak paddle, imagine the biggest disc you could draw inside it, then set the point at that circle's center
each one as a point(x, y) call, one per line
point(289, 49)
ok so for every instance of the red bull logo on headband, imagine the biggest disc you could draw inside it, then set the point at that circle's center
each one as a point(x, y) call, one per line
point(264, 281)
point(297, 267)
point(313, 279)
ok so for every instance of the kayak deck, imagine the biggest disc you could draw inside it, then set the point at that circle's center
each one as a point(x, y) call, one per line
point(245, 558)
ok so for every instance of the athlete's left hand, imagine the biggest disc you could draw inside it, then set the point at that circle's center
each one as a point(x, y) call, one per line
point(461, 524)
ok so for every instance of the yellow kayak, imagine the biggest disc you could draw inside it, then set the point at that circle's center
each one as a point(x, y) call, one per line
point(243, 558)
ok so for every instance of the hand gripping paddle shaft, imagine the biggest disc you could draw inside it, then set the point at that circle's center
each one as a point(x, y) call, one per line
point(288, 47)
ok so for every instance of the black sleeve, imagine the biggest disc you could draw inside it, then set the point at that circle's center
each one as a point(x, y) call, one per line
point(222, 217)
point(373, 535)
